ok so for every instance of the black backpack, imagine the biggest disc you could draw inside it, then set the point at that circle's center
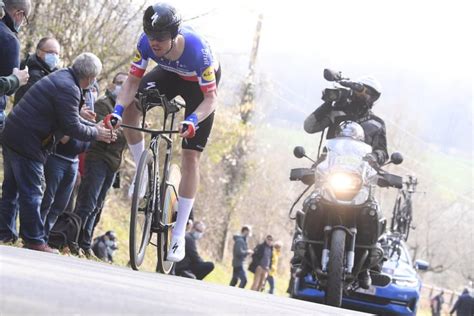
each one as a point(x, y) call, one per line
point(65, 231)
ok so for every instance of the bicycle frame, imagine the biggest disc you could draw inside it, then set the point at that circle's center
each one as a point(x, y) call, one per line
point(148, 100)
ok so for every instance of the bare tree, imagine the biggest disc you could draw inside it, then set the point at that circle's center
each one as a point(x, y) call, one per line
point(105, 27)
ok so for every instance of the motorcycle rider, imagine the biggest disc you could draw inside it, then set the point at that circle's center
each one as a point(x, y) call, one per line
point(347, 120)
point(359, 110)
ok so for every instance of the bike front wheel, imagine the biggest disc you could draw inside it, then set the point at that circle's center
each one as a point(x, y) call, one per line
point(170, 206)
point(141, 215)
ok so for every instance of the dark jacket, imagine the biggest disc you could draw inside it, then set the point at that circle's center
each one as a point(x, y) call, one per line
point(240, 251)
point(9, 52)
point(50, 109)
point(110, 153)
point(191, 254)
point(464, 306)
point(257, 257)
point(373, 126)
point(8, 84)
point(37, 69)
point(71, 149)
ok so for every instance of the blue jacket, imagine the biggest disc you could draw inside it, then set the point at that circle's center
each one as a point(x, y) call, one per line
point(49, 110)
point(71, 149)
point(9, 52)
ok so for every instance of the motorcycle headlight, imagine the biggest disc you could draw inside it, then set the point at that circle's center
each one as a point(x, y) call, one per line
point(344, 185)
point(406, 282)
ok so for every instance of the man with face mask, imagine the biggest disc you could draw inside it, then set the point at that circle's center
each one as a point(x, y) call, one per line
point(15, 15)
point(43, 62)
point(47, 112)
point(193, 266)
point(102, 162)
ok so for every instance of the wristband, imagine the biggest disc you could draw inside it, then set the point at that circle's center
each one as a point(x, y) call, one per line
point(118, 109)
point(193, 118)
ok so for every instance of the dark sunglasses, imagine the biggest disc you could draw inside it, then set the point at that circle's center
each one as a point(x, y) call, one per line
point(160, 36)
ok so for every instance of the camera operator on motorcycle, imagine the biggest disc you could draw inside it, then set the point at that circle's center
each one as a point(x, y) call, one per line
point(357, 108)
point(342, 205)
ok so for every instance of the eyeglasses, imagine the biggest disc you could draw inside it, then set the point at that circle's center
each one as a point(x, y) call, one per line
point(49, 51)
point(25, 17)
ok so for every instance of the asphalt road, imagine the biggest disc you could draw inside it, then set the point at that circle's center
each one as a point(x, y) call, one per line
point(35, 283)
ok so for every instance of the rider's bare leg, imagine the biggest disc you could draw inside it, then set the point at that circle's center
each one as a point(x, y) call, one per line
point(187, 188)
point(136, 143)
point(132, 116)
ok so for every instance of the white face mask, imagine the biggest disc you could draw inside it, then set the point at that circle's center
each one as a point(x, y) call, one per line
point(116, 90)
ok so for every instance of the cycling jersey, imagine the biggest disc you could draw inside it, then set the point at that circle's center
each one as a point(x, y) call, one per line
point(196, 64)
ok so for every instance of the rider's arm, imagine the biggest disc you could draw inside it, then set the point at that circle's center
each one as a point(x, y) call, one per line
point(207, 106)
point(319, 119)
point(128, 91)
point(379, 146)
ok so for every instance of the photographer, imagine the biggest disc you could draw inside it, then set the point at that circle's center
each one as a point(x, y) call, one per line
point(354, 105)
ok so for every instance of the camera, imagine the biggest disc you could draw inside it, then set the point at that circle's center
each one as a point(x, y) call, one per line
point(336, 95)
point(340, 97)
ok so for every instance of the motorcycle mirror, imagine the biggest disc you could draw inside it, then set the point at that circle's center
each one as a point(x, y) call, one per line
point(299, 152)
point(396, 158)
point(331, 75)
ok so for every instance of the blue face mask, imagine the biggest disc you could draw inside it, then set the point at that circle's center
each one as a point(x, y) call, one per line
point(51, 60)
point(89, 99)
point(196, 235)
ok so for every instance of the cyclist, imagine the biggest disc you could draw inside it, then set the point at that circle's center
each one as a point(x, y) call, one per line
point(186, 67)
point(359, 110)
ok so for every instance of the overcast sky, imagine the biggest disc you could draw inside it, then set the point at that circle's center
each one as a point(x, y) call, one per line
point(420, 51)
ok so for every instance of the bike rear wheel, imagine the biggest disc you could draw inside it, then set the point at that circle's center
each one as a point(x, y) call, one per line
point(141, 215)
point(395, 215)
point(170, 206)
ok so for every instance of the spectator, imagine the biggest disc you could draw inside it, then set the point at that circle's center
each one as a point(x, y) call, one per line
point(464, 306)
point(436, 304)
point(240, 252)
point(261, 263)
point(60, 173)
point(102, 162)
point(105, 245)
point(271, 273)
point(90, 95)
point(9, 84)
point(193, 266)
point(43, 62)
point(15, 14)
point(48, 111)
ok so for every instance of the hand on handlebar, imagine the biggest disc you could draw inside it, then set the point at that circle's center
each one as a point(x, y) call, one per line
point(114, 119)
point(188, 127)
point(371, 158)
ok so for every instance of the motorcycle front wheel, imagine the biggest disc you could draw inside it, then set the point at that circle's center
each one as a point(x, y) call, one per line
point(335, 282)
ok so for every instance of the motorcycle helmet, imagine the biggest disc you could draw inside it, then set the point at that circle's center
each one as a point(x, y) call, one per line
point(161, 22)
point(350, 129)
point(373, 85)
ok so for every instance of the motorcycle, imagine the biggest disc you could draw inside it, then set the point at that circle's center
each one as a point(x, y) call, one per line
point(338, 227)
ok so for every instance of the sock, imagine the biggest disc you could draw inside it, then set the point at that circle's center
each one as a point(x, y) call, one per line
point(184, 209)
point(137, 150)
